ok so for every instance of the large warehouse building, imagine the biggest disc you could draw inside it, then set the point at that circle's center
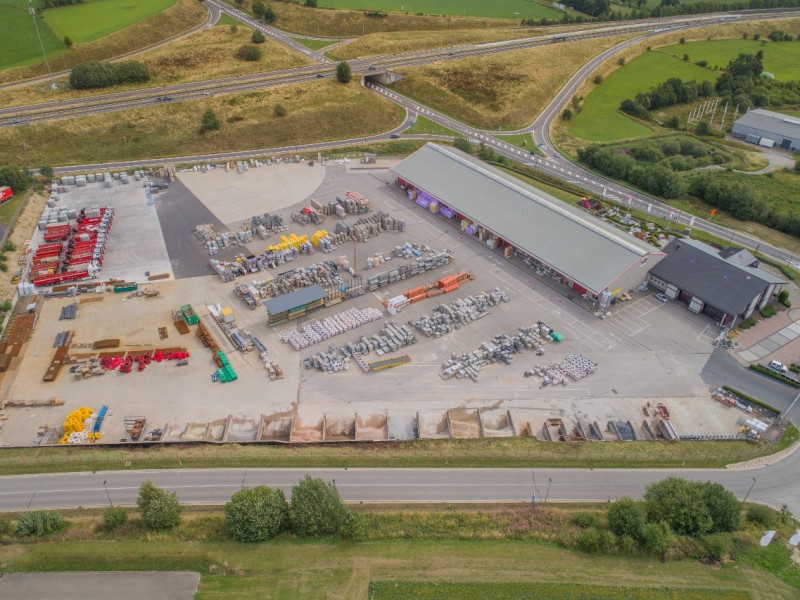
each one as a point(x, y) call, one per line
point(768, 128)
point(578, 249)
point(726, 285)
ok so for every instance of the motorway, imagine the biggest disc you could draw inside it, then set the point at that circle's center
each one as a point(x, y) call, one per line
point(775, 485)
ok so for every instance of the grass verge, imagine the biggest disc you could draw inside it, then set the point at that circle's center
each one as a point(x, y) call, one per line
point(90, 21)
point(507, 452)
point(180, 17)
point(505, 90)
point(522, 140)
point(323, 110)
point(314, 44)
point(425, 125)
point(7, 209)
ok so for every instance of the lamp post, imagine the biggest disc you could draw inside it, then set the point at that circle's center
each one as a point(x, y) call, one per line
point(549, 483)
point(32, 12)
point(748, 491)
point(107, 494)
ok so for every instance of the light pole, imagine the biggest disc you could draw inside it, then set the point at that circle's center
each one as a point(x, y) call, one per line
point(549, 483)
point(108, 495)
point(32, 12)
point(748, 491)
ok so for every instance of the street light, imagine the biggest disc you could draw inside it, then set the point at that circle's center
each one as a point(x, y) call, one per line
point(748, 491)
point(108, 495)
point(549, 483)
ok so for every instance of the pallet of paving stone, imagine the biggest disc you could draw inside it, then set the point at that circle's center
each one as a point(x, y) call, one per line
point(158, 277)
point(89, 299)
point(107, 343)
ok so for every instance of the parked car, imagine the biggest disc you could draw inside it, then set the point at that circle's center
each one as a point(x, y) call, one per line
point(394, 136)
point(778, 366)
point(662, 297)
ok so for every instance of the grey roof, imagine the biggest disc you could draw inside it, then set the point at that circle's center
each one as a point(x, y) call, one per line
point(294, 299)
point(739, 256)
point(580, 246)
point(702, 271)
point(771, 122)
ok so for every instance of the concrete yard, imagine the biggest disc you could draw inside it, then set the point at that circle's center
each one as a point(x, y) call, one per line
point(646, 351)
point(94, 585)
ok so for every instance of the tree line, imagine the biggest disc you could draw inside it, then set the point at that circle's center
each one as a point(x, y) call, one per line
point(102, 74)
point(672, 91)
point(57, 3)
point(600, 10)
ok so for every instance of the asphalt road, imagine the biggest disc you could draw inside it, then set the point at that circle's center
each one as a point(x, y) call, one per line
point(775, 485)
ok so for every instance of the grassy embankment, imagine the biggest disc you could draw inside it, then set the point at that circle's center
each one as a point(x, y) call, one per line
point(314, 44)
point(180, 17)
point(505, 90)
point(497, 9)
point(319, 111)
point(320, 22)
point(207, 54)
point(507, 452)
point(425, 125)
point(508, 546)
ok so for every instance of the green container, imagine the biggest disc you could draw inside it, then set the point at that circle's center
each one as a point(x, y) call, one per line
point(189, 315)
point(557, 337)
point(125, 288)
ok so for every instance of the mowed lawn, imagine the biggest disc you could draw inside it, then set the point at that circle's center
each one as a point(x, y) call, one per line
point(20, 45)
point(503, 9)
point(95, 19)
point(600, 119)
point(781, 59)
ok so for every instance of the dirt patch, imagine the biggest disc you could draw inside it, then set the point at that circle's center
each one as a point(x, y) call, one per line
point(433, 425)
point(276, 427)
point(306, 433)
point(242, 430)
point(216, 430)
point(194, 432)
point(340, 430)
point(464, 423)
point(375, 427)
point(496, 423)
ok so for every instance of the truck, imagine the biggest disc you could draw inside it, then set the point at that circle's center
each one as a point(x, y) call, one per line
point(5, 193)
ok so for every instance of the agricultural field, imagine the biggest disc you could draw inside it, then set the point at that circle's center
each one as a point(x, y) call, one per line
point(506, 90)
point(501, 9)
point(178, 18)
point(780, 59)
point(319, 22)
point(324, 110)
point(207, 54)
point(20, 44)
point(95, 19)
point(600, 119)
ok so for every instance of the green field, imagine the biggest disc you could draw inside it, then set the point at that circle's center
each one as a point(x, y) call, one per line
point(20, 44)
point(404, 590)
point(600, 119)
point(315, 44)
point(501, 9)
point(95, 19)
point(780, 59)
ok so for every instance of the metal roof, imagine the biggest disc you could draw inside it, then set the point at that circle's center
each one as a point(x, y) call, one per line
point(771, 122)
point(578, 245)
point(702, 271)
point(300, 297)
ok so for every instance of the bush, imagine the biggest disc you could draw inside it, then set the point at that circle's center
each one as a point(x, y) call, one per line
point(258, 37)
point(783, 298)
point(585, 519)
point(68, 41)
point(257, 514)
point(114, 517)
point(628, 545)
point(46, 171)
point(210, 121)
point(250, 53)
point(462, 143)
point(5, 527)
point(16, 178)
point(566, 115)
point(9, 246)
point(99, 75)
point(597, 80)
point(626, 517)
point(316, 509)
point(716, 546)
point(768, 311)
point(258, 8)
point(657, 538)
point(589, 541)
point(608, 542)
point(679, 503)
point(760, 514)
point(724, 508)
point(39, 523)
point(269, 15)
point(158, 508)
point(279, 110)
point(621, 61)
point(673, 122)
point(311, 3)
point(747, 323)
point(343, 72)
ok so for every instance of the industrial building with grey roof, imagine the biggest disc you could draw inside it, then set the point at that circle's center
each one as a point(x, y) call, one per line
point(590, 255)
point(766, 128)
point(723, 284)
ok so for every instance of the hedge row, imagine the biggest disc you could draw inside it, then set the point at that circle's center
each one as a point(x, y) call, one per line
point(750, 399)
point(775, 375)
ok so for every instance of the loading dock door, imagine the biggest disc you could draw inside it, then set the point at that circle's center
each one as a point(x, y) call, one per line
point(671, 292)
point(696, 305)
point(785, 144)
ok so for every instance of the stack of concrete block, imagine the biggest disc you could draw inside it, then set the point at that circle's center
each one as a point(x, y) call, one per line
point(427, 262)
point(447, 317)
point(318, 331)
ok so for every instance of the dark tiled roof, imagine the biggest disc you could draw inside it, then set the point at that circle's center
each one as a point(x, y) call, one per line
point(294, 299)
